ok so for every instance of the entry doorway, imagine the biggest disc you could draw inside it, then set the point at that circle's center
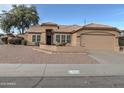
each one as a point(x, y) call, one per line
point(49, 37)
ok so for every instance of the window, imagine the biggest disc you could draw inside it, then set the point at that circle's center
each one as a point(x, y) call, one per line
point(33, 38)
point(63, 39)
point(58, 38)
point(38, 38)
point(68, 39)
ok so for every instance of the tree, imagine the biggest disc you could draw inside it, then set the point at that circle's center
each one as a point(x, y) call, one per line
point(5, 22)
point(20, 17)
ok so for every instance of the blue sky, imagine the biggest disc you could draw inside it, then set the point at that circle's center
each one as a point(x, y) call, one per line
point(76, 14)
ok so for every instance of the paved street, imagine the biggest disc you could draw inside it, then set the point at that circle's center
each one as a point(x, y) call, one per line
point(15, 54)
point(63, 82)
point(62, 76)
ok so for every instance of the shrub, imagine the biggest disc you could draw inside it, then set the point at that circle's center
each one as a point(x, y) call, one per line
point(61, 44)
point(15, 40)
point(24, 42)
point(4, 40)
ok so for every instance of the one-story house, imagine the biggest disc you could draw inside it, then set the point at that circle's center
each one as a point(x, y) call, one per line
point(74, 37)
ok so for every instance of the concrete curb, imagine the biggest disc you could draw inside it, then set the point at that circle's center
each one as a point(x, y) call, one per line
point(40, 50)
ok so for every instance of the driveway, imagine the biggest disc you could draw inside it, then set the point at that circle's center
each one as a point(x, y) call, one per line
point(15, 54)
point(107, 57)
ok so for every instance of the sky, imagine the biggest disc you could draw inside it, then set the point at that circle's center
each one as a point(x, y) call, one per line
point(108, 14)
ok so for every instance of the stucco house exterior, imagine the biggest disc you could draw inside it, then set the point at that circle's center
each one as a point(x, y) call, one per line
point(54, 37)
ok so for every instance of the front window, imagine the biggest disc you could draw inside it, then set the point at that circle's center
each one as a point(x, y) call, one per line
point(36, 38)
point(68, 38)
point(33, 38)
point(63, 39)
point(58, 38)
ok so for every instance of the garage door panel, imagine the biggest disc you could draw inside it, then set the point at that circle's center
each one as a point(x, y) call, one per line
point(103, 42)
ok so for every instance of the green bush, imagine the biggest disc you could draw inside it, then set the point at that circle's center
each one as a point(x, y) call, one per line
point(61, 44)
point(15, 41)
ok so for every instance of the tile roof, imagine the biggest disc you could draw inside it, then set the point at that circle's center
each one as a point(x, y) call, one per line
point(61, 28)
point(68, 28)
point(94, 26)
point(97, 25)
point(49, 23)
point(35, 28)
point(72, 28)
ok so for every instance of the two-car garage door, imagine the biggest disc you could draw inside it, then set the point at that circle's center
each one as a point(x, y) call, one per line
point(98, 42)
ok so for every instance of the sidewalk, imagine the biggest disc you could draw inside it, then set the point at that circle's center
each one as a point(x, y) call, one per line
point(34, 70)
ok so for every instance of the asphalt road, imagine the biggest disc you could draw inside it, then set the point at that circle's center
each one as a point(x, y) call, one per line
point(63, 82)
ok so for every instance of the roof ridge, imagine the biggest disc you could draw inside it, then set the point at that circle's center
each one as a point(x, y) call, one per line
point(97, 25)
point(67, 27)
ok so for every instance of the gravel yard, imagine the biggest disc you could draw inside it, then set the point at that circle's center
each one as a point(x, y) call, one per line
point(26, 55)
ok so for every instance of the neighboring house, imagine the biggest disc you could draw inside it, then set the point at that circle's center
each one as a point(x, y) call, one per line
point(89, 37)
point(121, 40)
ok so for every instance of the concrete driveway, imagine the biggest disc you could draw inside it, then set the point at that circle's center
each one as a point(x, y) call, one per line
point(107, 57)
point(15, 54)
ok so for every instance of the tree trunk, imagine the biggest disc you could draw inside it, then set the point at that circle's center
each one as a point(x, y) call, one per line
point(23, 30)
point(19, 31)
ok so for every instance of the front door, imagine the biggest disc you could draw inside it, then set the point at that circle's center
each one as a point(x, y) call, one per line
point(49, 37)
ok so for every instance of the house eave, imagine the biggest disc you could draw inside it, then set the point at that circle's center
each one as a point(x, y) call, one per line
point(97, 28)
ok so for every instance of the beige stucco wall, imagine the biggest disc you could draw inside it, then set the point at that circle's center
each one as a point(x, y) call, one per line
point(43, 28)
point(43, 38)
point(74, 39)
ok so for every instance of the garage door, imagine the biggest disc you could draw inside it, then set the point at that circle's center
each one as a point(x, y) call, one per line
point(98, 42)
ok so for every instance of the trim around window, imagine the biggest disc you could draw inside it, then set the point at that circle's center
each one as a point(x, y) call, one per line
point(63, 38)
point(58, 38)
point(36, 38)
